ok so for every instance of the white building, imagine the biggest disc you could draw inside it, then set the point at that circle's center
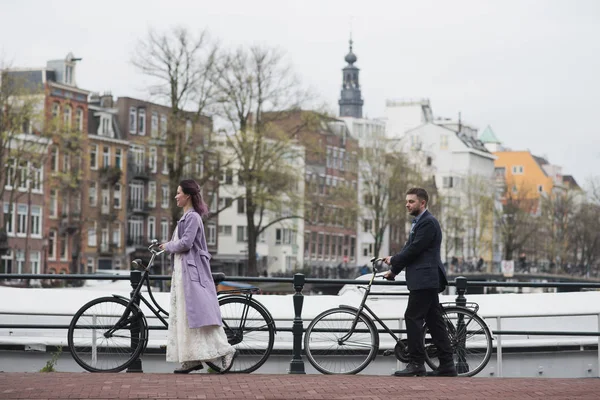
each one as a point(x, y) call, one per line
point(278, 247)
point(371, 135)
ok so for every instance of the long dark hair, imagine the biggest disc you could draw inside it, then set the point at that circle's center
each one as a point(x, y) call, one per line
point(191, 188)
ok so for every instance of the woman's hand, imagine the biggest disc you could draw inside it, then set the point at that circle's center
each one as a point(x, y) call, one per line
point(162, 246)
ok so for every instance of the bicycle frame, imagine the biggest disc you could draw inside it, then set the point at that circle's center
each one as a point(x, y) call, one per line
point(364, 306)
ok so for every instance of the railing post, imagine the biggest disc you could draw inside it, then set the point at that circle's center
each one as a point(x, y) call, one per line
point(136, 366)
point(462, 366)
point(461, 290)
point(297, 364)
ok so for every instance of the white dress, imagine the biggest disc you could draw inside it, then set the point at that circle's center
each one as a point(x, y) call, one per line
point(185, 344)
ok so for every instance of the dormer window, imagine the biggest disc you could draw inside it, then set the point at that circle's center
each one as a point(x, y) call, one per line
point(69, 74)
point(105, 126)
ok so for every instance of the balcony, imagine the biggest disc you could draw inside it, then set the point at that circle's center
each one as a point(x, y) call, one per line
point(110, 175)
point(70, 223)
point(137, 241)
point(139, 171)
point(137, 206)
point(107, 248)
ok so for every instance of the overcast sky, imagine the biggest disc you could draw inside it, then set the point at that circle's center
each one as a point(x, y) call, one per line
point(530, 69)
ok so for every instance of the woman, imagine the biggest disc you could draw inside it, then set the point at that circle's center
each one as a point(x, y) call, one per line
point(195, 332)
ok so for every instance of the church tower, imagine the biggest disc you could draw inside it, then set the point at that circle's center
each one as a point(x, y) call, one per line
point(351, 101)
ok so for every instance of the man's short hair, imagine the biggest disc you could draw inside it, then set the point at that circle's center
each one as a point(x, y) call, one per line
point(420, 193)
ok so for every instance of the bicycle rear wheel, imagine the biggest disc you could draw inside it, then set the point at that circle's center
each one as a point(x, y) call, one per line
point(470, 339)
point(328, 354)
point(250, 329)
point(97, 350)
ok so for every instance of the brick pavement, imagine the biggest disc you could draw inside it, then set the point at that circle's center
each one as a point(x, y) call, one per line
point(289, 387)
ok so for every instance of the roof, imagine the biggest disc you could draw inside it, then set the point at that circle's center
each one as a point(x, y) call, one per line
point(469, 141)
point(570, 181)
point(488, 136)
point(541, 161)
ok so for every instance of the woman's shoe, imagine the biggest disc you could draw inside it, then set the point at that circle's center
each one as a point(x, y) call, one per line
point(227, 361)
point(187, 367)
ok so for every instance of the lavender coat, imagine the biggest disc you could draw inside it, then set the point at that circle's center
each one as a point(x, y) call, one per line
point(201, 301)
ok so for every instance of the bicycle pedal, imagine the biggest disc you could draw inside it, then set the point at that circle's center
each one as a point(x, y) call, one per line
point(388, 353)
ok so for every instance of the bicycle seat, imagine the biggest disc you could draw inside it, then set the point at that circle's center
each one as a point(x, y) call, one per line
point(218, 277)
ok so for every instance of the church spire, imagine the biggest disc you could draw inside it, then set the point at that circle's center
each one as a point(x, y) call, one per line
point(351, 101)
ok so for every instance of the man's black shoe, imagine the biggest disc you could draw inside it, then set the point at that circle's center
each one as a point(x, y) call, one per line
point(412, 369)
point(444, 370)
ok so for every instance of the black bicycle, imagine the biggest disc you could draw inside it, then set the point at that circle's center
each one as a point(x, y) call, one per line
point(109, 333)
point(344, 340)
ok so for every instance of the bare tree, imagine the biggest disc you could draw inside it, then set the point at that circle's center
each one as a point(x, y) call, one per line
point(182, 66)
point(478, 214)
point(23, 141)
point(259, 98)
point(518, 218)
point(558, 210)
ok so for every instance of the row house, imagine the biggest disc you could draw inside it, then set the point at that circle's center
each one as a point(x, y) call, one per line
point(279, 247)
point(105, 228)
point(149, 191)
point(45, 225)
point(331, 187)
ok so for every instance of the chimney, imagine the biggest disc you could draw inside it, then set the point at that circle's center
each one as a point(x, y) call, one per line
point(106, 100)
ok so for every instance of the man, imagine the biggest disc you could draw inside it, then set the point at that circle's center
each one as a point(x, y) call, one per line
point(425, 277)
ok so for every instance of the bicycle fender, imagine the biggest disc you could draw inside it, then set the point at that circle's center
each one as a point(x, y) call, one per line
point(256, 303)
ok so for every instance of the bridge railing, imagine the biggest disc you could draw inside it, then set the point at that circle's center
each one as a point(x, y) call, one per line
point(298, 282)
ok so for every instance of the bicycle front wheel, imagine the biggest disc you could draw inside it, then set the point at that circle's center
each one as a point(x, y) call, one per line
point(250, 329)
point(470, 339)
point(326, 350)
point(94, 342)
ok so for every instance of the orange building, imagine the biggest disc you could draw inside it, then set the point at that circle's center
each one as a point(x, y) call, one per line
point(524, 173)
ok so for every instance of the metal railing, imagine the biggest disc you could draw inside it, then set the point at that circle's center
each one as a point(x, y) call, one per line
point(299, 280)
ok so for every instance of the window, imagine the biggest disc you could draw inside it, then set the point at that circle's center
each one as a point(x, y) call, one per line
point(64, 247)
point(152, 194)
point(106, 156)
point(164, 230)
point(187, 166)
point(20, 261)
point(152, 159)
point(367, 225)
point(34, 262)
point(67, 117)
point(285, 236)
point(79, 120)
point(211, 234)
point(22, 219)
point(22, 174)
point(448, 182)
point(118, 158)
point(6, 263)
point(92, 237)
point(93, 156)
point(52, 245)
point(69, 74)
point(151, 228)
point(154, 125)
point(165, 196)
point(142, 121)
point(242, 234)
point(66, 162)
point(9, 218)
point(165, 165)
point(36, 178)
point(93, 195)
point(225, 202)
point(55, 110)
point(517, 170)
point(54, 159)
point(36, 221)
point(132, 120)
point(199, 165)
point(65, 206)
point(241, 206)
point(116, 240)
point(163, 126)
point(226, 176)
point(117, 196)
point(225, 230)
point(105, 126)
point(53, 203)
point(444, 142)
point(540, 188)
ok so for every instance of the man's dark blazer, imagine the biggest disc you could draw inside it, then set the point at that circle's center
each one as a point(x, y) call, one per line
point(421, 256)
